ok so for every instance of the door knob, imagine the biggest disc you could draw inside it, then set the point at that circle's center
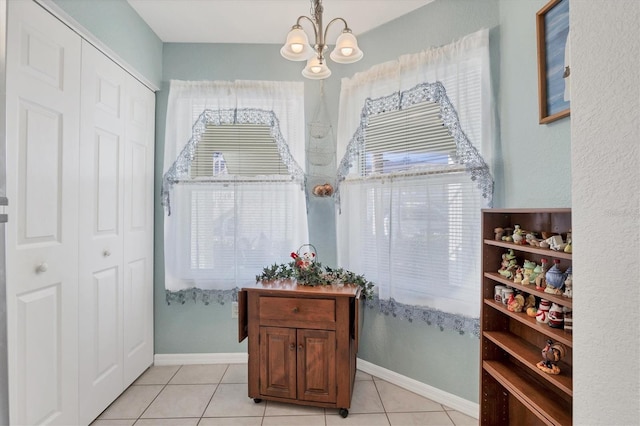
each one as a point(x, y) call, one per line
point(42, 268)
point(106, 253)
point(292, 346)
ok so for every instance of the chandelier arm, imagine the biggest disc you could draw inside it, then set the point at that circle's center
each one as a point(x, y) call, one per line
point(346, 26)
point(313, 24)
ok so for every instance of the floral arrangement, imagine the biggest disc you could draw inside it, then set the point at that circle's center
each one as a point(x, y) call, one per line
point(307, 271)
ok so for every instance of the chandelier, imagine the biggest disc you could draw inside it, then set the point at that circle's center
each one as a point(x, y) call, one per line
point(297, 47)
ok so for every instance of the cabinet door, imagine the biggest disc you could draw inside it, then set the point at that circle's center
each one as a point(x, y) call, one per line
point(317, 365)
point(138, 229)
point(278, 362)
point(100, 224)
point(42, 120)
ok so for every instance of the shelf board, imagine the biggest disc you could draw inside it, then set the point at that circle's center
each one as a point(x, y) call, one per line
point(529, 249)
point(552, 210)
point(537, 400)
point(530, 355)
point(531, 289)
point(555, 334)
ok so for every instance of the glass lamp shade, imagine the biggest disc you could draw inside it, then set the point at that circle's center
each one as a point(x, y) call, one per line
point(346, 50)
point(316, 70)
point(297, 47)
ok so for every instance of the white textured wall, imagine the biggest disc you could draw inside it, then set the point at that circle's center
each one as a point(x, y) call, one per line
point(605, 139)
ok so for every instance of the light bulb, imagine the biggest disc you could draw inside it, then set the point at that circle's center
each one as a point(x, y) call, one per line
point(316, 69)
point(346, 51)
point(297, 47)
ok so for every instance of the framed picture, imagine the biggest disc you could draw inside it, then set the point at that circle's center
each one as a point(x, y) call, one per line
point(554, 69)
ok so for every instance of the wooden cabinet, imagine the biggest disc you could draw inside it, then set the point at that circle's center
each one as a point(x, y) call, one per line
point(513, 389)
point(302, 343)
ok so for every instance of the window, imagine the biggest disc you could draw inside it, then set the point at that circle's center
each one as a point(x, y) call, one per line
point(418, 211)
point(235, 193)
point(412, 184)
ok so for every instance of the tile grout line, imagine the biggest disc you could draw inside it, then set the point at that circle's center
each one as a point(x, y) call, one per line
point(156, 397)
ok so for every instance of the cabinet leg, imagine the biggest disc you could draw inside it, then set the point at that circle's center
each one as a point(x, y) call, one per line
point(343, 413)
point(257, 400)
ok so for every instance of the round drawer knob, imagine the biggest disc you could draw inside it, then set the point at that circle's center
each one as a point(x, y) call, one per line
point(106, 253)
point(296, 310)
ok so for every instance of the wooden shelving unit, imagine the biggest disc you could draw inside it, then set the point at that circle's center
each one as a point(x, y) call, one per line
point(513, 390)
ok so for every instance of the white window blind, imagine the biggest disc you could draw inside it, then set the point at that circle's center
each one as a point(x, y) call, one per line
point(235, 228)
point(237, 149)
point(398, 140)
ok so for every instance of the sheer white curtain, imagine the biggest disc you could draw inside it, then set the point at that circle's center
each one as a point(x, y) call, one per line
point(416, 233)
point(222, 230)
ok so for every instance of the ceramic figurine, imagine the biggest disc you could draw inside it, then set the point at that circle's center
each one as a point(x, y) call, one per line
point(499, 233)
point(497, 293)
point(551, 354)
point(568, 283)
point(568, 319)
point(534, 276)
point(508, 265)
point(518, 235)
point(542, 316)
point(519, 275)
point(555, 279)
point(507, 294)
point(530, 306)
point(528, 267)
point(568, 248)
point(516, 303)
point(556, 243)
point(556, 316)
point(540, 278)
point(530, 302)
point(532, 240)
point(507, 235)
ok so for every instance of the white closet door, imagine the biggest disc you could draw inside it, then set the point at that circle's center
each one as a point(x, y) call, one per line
point(138, 225)
point(43, 71)
point(101, 227)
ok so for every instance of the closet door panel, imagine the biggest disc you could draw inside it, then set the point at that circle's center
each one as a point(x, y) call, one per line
point(138, 223)
point(42, 116)
point(101, 232)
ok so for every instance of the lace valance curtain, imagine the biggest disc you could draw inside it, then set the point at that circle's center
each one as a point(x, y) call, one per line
point(463, 68)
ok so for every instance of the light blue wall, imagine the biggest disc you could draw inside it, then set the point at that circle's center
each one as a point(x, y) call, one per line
point(118, 25)
point(536, 159)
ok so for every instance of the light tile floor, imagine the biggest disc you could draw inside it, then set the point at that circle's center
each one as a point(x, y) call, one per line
point(216, 395)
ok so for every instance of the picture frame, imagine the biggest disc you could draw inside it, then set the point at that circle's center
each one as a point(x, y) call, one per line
point(554, 68)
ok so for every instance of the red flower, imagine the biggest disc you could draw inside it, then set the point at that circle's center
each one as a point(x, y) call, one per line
point(294, 255)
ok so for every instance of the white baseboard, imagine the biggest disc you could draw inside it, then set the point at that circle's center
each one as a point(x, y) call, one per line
point(184, 359)
point(445, 398)
point(462, 405)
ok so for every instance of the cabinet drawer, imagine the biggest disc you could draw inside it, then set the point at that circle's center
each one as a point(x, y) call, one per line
point(297, 309)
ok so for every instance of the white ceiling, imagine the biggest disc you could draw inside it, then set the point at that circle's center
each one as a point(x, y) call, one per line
point(260, 21)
